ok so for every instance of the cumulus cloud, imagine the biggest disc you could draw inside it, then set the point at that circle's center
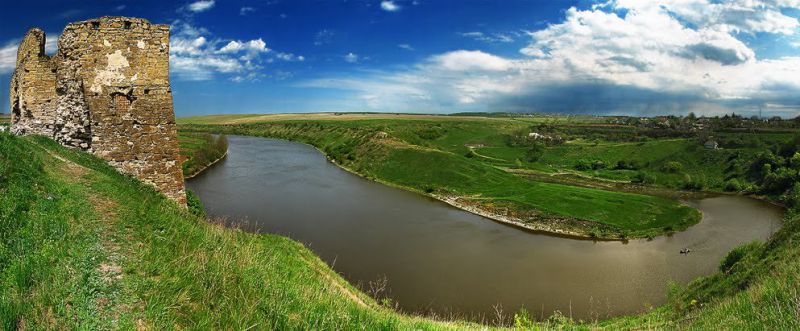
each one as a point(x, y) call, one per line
point(8, 57)
point(8, 51)
point(389, 5)
point(406, 47)
point(254, 46)
point(622, 56)
point(200, 6)
point(196, 55)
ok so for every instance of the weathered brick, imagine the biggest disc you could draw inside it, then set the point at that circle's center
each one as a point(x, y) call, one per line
point(106, 91)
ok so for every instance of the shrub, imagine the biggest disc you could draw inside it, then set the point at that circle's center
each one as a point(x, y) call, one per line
point(737, 254)
point(643, 178)
point(470, 154)
point(534, 153)
point(194, 203)
point(583, 165)
point(626, 165)
point(209, 150)
point(694, 184)
point(733, 185)
point(672, 167)
point(597, 164)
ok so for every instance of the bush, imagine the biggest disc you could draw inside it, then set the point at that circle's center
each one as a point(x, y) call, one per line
point(194, 204)
point(643, 178)
point(737, 254)
point(695, 184)
point(210, 150)
point(534, 153)
point(672, 167)
point(470, 154)
point(597, 164)
point(583, 165)
point(733, 185)
point(626, 165)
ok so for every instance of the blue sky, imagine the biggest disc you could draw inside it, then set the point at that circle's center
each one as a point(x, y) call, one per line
point(442, 56)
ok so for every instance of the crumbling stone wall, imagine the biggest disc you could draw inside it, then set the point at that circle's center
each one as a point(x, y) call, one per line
point(33, 88)
point(107, 91)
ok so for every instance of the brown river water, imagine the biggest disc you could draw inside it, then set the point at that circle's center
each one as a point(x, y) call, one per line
point(439, 259)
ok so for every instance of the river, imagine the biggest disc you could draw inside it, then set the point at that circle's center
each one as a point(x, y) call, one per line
point(439, 259)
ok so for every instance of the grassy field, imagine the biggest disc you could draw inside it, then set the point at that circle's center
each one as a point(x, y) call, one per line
point(83, 247)
point(468, 159)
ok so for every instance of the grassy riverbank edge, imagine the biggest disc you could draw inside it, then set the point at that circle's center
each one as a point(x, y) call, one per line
point(539, 223)
point(205, 167)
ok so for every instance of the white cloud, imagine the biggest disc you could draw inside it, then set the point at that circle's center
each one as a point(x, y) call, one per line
point(389, 5)
point(406, 47)
point(470, 61)
point(252, 46)
point(491, 38)
point(624, 56)
point(245, 10)
point(196, 55)
point(200, 6)
point(8, 57)
point(290, 57)
point(8, 52)
point(351, 58)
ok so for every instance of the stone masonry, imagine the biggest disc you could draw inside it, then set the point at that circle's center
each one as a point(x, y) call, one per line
point(106, 91)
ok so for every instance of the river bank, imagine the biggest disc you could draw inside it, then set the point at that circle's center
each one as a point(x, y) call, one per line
point(365, 229)
point(209, 165)
point(435, 172)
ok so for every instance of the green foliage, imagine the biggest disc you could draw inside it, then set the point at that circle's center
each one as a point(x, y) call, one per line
point(642, 177)
point(737, 254)
point(200, 150)
point(535, 152)
point(672, 167)
point(733, 185)
point(194, 204)
point(627, 165)
point(693, 184)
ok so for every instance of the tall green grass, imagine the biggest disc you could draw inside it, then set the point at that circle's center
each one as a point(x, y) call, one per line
point(84, 247)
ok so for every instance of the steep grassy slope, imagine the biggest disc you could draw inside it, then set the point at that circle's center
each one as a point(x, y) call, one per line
point(83, 247)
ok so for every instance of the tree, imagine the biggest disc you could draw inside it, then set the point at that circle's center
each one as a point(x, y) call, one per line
point(534, 153)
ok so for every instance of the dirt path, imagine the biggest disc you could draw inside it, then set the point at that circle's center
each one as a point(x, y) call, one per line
point(113, 299)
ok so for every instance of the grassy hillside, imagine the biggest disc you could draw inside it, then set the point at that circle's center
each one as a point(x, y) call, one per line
point(438, 158)
point(83, 247)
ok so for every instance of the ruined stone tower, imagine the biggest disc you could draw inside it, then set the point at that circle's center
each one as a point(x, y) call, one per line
point(106, 91)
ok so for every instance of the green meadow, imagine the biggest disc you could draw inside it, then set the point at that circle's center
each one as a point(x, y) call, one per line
point(471, 158)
